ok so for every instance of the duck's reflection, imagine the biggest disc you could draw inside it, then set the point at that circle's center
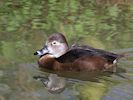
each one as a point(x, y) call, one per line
point(53, 83)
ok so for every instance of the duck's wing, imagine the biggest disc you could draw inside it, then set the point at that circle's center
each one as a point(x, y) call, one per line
point(74, 54)
point(107, 55)
point(86, 47)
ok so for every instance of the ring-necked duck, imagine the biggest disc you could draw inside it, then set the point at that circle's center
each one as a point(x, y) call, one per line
point(56, 55)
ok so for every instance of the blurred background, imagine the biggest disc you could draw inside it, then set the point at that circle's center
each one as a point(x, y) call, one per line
point(26, 24)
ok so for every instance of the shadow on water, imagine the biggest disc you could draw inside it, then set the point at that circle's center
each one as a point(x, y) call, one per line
point(85, 76)
point(53, 83)
point(56, 82)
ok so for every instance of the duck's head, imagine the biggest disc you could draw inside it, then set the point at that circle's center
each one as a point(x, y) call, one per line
point(56, 45)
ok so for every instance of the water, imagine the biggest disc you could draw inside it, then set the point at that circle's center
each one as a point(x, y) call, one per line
point(17, 83)
point(25, 25)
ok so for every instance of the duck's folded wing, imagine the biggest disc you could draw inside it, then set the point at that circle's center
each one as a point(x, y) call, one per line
point(74, 54)
point(108, 55)
point(86, 47)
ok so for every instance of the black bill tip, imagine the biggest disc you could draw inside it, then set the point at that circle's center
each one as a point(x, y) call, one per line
point(35, 53)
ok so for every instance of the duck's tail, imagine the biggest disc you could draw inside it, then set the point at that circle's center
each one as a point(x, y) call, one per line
point(119, 56)
point(123, 55)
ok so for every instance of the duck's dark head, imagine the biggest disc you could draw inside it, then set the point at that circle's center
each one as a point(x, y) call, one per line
point(56, 45)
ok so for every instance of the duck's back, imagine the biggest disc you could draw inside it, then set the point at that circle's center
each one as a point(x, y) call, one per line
point(107, 55)
point(74, 54)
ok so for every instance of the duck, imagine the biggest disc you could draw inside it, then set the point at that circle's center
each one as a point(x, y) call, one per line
point(56, 55)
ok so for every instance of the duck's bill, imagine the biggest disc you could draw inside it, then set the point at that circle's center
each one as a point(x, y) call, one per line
point(41, 52)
